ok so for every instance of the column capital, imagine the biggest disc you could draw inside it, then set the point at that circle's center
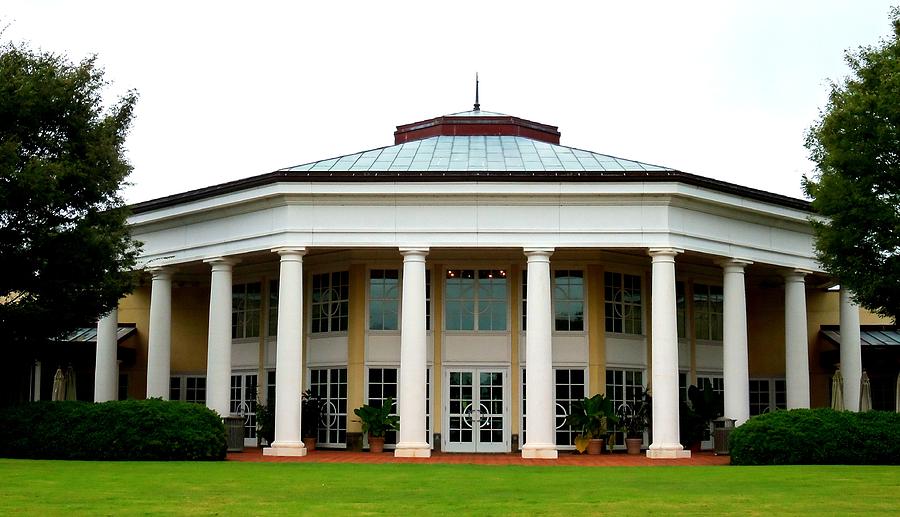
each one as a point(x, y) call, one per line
point(414, 252)
point(846, 296)
point(161, 272)
point(795, 274)
point(221, 263)
point(290, 251)
point(538, 253)
point(732, 263)
point(661, 253)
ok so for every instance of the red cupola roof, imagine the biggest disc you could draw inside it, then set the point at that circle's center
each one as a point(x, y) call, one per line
point(476, 123)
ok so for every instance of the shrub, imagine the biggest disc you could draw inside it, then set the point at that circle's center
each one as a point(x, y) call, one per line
point(818, 437)
point(119, 430)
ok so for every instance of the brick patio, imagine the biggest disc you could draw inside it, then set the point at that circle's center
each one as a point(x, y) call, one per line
point(254, 454)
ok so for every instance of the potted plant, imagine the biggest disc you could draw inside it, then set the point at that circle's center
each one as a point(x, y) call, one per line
point(311, 408)
point(634, 420)
point(265, 421)
point(376, 421)
point(702, 406)
point(589, 417)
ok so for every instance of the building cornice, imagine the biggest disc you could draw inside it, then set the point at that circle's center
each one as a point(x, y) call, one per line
point(470, 177)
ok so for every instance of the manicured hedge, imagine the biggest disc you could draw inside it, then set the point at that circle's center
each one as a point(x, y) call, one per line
point(818, 437)
point(119, 430)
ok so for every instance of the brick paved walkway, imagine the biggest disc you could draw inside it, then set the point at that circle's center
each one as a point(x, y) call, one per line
point(565, 458)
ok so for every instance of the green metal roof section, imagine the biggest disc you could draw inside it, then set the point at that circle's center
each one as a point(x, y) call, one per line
point(476, 153)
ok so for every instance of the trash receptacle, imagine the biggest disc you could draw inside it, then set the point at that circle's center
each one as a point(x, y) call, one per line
point(722, 428)
point(234, 433)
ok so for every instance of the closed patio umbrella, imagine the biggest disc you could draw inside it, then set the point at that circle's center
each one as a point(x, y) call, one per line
point(897, 395)
point(59, 385)
point(71, 393)
point(837, 391)
point(865, 393)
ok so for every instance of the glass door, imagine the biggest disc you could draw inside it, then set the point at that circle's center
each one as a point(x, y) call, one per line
point(330, 385)
point(476, 412)
point(243, 403)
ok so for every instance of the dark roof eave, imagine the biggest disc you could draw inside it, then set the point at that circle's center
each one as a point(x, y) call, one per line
point(468, 177)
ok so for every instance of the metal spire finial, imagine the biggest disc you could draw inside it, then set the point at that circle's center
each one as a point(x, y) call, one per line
point(477, 104)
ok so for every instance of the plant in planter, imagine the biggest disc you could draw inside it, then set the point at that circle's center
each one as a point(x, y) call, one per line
point(311, 409)
point(377, 420)
point(634, 419)
point(589, 417)
point(265, 421)
point(702, 407)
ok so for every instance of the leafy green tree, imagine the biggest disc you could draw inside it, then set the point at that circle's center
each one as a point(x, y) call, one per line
point(856, 147)
point(65, 254)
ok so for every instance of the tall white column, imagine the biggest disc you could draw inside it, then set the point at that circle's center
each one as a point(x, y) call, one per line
point(413, 439)
point(159, 347)
point(735, 368)
point(664, 377)
point(218, 353)
point(851, 351)
point(106, 366)
point(289, 354)
point(796, 343)
point(541, 436)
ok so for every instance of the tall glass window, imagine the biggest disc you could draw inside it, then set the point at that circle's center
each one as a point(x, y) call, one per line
point(427, 299)
point(624, 387)
point(622, 295)
point(524, 299)
point(767, 395)
point(568, 299)
point(188, 388)
point(330, 301)
point(708, 308)
point(384, 299)
point(273, 307)
point(680, 315)
point(476, 299)
point(570, 386)
point(245, 310)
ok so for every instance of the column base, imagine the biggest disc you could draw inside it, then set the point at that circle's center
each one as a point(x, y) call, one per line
point(412, 450)
point(668, 451)
point(285, 449)
point(540, 451)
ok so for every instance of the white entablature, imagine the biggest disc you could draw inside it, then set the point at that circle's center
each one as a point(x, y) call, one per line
point(583, 214)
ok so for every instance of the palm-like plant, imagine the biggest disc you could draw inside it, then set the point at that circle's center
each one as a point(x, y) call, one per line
point(589, 417)
point(376, 421)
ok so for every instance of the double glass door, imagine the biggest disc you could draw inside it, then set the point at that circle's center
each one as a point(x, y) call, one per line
point(476, 417)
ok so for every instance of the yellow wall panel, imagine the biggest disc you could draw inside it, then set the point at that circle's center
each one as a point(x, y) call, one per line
point(356, 343)
point(596, 330)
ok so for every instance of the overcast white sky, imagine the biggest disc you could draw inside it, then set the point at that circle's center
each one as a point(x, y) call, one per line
point(721, 89)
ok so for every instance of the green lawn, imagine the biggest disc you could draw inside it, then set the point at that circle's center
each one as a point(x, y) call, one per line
point(98, 488)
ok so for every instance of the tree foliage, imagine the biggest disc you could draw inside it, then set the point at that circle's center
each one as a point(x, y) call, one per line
point(65, 253)
point(856, 146)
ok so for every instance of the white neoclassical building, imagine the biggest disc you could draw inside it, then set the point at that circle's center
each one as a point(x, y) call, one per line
point(484, 276)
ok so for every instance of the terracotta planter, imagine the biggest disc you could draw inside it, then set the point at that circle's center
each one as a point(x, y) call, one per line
point(310, 444)
point(376, 443)
point(633, 445)
point(595, 446)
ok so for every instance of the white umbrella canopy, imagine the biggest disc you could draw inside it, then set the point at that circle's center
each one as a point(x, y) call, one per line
point(865, 393)
point(71, 393)
point(837, 391)
point(59, 385)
